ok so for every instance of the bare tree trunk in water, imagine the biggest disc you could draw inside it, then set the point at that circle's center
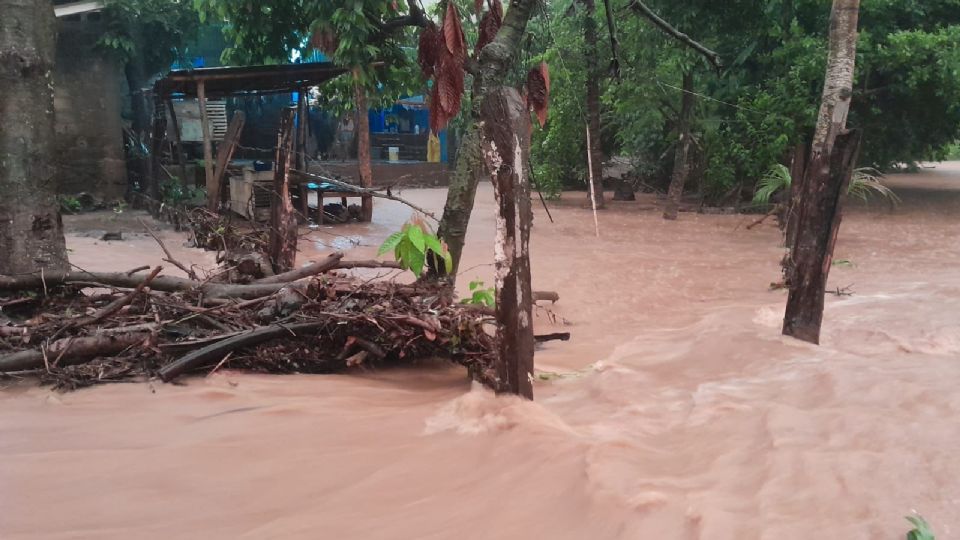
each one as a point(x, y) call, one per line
point(681, 160)
point(363, 146)
point(31, 232)
point(832, 158)
point(591, 52)
point(506, 151)
point(496, 59)
point(283, 221)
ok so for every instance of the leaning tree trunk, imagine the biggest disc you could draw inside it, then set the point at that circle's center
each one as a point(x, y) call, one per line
point(591, 52)
point(832, 158)
point(681, 160)
point(31, 232)
point(363, 146)
point(496, 59)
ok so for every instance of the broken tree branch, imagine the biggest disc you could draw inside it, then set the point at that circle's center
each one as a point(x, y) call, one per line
point(71, 350)
point(367, 191)
point(219, 349)
point(305, 271)
point(190, 273)
point(641, 8)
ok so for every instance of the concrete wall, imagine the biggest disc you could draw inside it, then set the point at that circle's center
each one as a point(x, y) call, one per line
point(89, 90)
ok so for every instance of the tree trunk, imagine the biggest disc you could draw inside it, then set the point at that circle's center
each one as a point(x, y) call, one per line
point(681, 160)
point(505, 144)
point(283, 222)
point(833, 156)
point(591, 52)
point(496, 59)
point(31, 231)
point(140, 124)
point(798, 167)
point(363, 147)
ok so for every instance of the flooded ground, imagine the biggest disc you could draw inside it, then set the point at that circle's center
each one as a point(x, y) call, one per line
point(677, 410)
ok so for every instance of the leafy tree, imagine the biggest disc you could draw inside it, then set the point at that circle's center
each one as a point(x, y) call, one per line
point(146, 35)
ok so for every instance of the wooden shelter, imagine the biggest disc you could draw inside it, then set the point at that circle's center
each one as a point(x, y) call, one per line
point(223, 82)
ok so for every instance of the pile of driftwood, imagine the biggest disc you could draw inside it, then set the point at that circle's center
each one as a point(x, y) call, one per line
point(77, 329)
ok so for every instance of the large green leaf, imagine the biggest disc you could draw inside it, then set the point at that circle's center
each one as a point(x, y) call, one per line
point(415, 234)
point(390, 243)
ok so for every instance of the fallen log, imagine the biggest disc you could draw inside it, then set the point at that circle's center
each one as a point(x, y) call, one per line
point(545, 296)
point(121, 279)
point(305, 271)
point(219, 349)
point(558, 336)
point(366, 264)
point(71, 350)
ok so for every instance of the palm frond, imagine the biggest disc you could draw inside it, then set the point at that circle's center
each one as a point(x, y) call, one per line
point(866, 182)
point(776, 179)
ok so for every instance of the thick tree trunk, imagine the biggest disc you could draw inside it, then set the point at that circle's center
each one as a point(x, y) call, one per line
point(833, 156)
point(31, 232)
point(505, 143)
point(363, 148)
point(283, 222)
point(681, 160)
point(496, 59)
point(591, 53)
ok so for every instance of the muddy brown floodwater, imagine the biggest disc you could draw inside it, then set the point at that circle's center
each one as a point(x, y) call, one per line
point(677, 411)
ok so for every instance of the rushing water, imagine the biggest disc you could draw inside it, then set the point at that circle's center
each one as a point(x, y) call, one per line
point(677, 411)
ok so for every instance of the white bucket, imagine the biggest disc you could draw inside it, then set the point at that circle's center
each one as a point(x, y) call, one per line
point(393, 153)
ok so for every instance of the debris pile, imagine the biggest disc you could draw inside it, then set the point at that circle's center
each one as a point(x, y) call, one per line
point(77, 329)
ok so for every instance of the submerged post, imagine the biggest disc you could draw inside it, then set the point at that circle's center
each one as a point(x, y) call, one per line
point(505, 134)
point(283, 222)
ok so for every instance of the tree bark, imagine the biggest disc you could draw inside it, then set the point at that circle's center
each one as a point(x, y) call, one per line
point(505, 143)
point(591, 53)
point(496, 59)
point(681, 160)
point(833, 156)
point(31, 231)
point(283, 221)
point(363, 147)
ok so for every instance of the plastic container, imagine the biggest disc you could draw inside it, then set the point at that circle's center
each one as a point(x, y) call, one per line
point(393, 153)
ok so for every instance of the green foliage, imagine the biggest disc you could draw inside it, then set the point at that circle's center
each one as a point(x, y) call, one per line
point(152, 31)
point(921, 529)
point(411, 244)
point(749, 115)
point(174, 193)
point(480, 295)
point(70, 204)
point(775, 180)
point(275, 32)
point(864, 183)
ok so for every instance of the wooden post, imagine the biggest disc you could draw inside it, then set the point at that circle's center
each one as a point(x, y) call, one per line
point(181, 158)
point(833, 155)
point(157, 134)
point(505, 139)
point(363, 145)
point(225, 153)
point(283, 221)
point(213, 193)
point(302, 118)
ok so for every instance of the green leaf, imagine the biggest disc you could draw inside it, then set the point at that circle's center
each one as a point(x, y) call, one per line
point(390, 243)
point(448, 261)
point(433, 243)
point(415, 234)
